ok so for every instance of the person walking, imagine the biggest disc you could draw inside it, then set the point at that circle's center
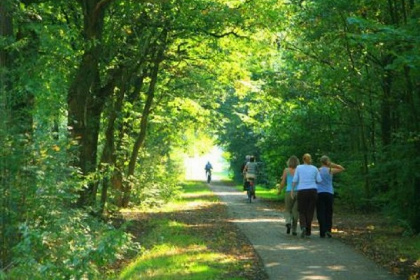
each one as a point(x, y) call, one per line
point(306, 178)
point(325, 200)
point(292, 214)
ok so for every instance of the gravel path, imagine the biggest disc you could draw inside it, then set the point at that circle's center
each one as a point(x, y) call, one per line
point(292, 257)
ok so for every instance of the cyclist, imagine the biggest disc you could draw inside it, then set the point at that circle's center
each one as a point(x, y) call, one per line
point(245, 182)
point(208, 168)
point(250, 171)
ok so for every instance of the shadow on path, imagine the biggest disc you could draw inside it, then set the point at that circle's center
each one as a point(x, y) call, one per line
point(292, 257)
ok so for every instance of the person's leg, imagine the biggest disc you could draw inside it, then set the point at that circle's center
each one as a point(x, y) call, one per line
point(311, 200)
point(288, 215)
point(329, 212)
point(302, 198)
point(321, 213)
point(295, 215)
point(288, 205)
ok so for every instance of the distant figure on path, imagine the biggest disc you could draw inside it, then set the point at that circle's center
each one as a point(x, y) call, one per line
point(250, 170)
point(305, 178)
point(208, 168)
point(292, 214)
point(245, 182)
point(325, 201)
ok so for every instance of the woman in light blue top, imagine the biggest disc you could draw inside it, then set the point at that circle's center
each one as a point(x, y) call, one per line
point(292, 214)
point(306, 177)
point(325, 201)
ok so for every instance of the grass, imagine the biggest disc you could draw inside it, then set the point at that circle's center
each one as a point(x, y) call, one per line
point(190, 239)
point(170, 252)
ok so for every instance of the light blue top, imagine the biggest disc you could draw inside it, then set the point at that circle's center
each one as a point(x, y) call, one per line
point(326, 186)
point(306, 177)
point(289, 180)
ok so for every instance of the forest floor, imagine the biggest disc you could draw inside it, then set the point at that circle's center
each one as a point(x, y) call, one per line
point(381, 239)
point(374, 236)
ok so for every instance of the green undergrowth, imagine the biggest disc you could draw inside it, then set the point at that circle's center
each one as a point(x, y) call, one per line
point(187, 239)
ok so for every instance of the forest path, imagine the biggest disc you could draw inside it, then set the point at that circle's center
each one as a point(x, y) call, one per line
point(292, 257)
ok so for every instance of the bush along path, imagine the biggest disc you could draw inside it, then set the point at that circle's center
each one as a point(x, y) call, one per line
point(291, 257)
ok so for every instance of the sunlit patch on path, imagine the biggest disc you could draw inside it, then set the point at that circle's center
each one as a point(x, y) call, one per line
point(292, 257)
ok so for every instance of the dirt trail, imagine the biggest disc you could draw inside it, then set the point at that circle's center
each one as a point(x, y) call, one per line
point(292, 257)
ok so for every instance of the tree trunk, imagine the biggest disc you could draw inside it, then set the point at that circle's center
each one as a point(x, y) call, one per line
point(365, 152)
point(108, 155)
point(144, 120)
point(386, 121)
point(86, 99)
point(6, 243)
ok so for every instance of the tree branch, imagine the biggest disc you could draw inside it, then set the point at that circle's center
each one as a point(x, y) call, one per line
point(294, 48)
point(216, 35)
point(102, 4)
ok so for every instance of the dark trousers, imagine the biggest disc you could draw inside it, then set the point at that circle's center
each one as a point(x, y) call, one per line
point(306, 207)
point(324, 212)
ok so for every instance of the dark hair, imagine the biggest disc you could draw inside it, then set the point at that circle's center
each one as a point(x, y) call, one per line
point(252, 159)
point(293, 162)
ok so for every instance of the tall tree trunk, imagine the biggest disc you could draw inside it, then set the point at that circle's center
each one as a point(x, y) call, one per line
point(365, 152)
point(386, 123)
point(109, 157)
point(86, 99)
point(6, 243)
point(144, 119)
point(16, 127)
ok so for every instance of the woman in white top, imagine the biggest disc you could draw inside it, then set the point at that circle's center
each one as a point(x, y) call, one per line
point(306, 178)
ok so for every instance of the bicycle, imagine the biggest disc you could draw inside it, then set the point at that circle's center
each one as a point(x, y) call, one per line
point(250, 191)
point(208, 176)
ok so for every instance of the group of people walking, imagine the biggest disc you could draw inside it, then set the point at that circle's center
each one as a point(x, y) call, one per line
point(309, 188)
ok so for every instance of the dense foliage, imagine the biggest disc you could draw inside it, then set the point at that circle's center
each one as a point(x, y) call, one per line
point(100, 100)
point(343, 81)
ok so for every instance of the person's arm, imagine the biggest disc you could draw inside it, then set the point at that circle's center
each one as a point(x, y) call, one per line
point(283, 180)
point(318, 178)
point(336, 168)
point(292, 192)
point(294, 182)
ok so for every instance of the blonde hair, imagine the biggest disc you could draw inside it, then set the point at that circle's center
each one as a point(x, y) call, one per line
point(293, 162)
point(307, 158)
